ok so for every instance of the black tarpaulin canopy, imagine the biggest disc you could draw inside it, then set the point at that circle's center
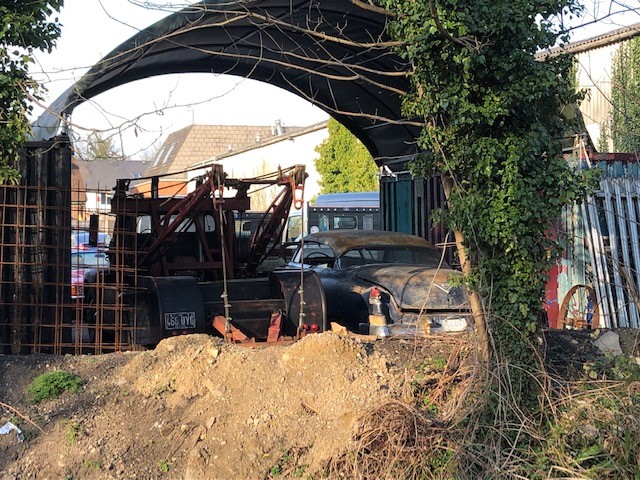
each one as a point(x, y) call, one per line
point(333, 53)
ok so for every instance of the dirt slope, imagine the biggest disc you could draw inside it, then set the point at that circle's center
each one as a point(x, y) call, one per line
point(195, 408)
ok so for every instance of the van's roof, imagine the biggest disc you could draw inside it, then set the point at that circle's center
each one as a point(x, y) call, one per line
point(348, 199)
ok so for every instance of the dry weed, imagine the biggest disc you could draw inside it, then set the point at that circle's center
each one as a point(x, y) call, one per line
point(467, 422)
point(394, 441)
point(417, 438)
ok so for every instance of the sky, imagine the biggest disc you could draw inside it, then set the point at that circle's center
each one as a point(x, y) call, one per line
point(161, 105)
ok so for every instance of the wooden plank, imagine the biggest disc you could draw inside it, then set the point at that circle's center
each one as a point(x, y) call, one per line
point(624, 227)
point(613, 219)
point(601, 283)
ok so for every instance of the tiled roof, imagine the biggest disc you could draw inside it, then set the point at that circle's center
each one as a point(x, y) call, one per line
point(102, 174)
point(197, 143)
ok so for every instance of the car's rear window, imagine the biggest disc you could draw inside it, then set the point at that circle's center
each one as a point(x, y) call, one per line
point(423, 256)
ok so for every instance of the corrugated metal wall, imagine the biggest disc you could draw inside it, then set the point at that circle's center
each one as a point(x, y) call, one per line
point(407, 206)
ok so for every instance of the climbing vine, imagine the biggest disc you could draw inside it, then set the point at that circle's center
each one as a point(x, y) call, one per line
point(493, 124)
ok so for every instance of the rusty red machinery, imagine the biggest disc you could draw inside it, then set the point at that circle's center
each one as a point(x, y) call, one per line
point(177, 266)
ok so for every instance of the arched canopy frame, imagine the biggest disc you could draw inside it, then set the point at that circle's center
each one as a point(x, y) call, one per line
point(333, 53)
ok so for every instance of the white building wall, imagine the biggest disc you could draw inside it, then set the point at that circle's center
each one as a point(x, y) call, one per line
point(594, 76)
point(98, 201)
point(268, 158)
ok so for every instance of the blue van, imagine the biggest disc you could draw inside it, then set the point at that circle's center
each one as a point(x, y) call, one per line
point(336, 211)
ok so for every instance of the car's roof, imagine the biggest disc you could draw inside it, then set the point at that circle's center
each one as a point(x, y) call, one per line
point(342, 240)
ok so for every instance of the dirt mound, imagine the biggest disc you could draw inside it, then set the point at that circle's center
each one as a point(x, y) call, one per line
point(197, 408)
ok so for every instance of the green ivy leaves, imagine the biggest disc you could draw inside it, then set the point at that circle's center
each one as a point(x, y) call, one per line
point(24, 27)
point(494, 123)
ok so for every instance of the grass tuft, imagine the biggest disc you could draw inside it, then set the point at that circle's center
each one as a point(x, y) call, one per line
point(51, 385)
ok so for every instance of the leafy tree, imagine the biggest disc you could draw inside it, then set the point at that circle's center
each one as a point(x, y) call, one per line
point(99, 147)
point(625, 97)
point(493, 128)
point(345, 165)
point(24, 28)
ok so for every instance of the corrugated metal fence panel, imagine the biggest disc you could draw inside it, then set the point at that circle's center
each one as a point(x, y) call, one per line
point(631, 200)
point(611, 234)
point(408, 204)
point(397, 202)
point(626, 272)
point(616, 204)
point(601, 272)
point(613, 220)
point(35, 248)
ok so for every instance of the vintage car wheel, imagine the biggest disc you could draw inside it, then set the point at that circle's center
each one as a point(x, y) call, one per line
point(579, 309)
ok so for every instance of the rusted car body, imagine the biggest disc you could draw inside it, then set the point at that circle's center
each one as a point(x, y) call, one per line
point(400, 277)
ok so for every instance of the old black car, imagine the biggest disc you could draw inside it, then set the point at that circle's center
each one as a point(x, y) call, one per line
point(384, 283)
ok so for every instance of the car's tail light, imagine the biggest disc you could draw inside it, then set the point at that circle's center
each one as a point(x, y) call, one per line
point(377, 319)
point(305, 327)
point(375, 301)
point(314, 327)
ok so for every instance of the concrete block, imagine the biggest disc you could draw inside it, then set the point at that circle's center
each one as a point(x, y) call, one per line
point(609, 342)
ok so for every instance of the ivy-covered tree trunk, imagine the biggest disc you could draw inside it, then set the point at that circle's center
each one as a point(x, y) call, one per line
point(479, 317)
point(492, 119)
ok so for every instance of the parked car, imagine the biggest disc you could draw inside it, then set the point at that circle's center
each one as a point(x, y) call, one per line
point(80, 239)
point(384, 283)
point(84, 259)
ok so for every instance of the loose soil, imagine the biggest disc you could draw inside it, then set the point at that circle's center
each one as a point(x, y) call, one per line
point(196, 408)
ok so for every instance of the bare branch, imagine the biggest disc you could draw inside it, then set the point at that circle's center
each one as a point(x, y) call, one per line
point(21, 415)
point(467, 41)
point(373, 8)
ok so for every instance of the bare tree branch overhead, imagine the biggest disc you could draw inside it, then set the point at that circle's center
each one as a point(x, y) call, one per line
point(299, 49)
point(310, 49)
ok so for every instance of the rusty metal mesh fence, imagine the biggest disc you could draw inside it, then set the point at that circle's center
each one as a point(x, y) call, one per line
point(58, 293)
point(54, 250)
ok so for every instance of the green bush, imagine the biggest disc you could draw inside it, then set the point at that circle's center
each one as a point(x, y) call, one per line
point(52, 384)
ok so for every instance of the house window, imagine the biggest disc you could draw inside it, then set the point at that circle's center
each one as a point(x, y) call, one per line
point(166, 157)
point(158, 157)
